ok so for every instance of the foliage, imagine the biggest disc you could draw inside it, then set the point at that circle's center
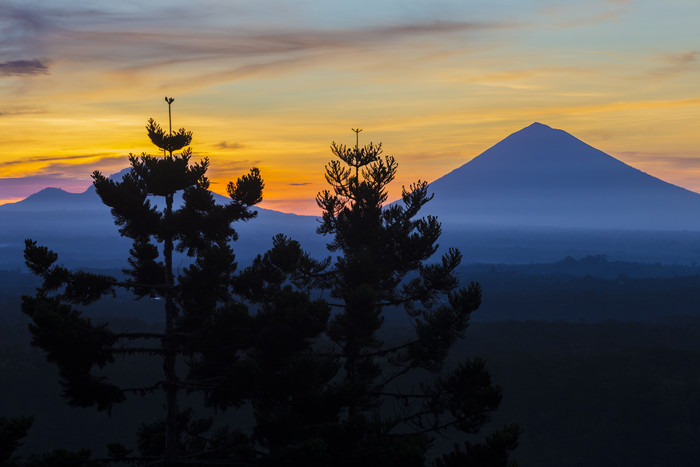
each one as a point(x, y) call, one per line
point(324, 388)
point(12, 430)
point(599, 374)
point(145, 208)
point(328, 390)
point(64, 458)
point(492, 453)
point(384, 418)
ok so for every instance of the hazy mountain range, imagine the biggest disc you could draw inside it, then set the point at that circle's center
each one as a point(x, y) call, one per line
point(539, 194)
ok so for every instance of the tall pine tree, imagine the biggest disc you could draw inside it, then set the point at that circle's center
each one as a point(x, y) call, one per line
point(332, 389)
point(12, 431)
point(146, 207)
point(323, 384)
point(387, 416)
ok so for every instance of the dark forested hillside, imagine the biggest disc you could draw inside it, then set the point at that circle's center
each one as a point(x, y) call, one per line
point(590, 289)
point(598, 360)
point(604, 394)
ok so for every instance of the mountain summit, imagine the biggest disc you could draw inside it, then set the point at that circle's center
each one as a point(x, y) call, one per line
point(544, 177)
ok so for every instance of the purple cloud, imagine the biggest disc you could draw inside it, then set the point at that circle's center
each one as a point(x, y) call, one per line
point(61, 160)
point(680, 61)
point(23, 68)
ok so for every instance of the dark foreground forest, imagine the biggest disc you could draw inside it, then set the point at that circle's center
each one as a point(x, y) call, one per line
point(621, 389)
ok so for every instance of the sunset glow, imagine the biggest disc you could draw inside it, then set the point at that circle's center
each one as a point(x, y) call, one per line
point(272, 83)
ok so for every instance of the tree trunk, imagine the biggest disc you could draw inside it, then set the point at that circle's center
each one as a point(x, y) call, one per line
point(172, 428)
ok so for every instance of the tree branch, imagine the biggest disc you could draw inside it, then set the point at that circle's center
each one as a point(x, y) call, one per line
point(394, 376)
point(143, 390)
point(139, 335)
point(133, 350)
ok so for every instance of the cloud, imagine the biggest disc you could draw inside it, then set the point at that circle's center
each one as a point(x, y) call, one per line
point(71, 173)
point(74, 172)
point(20, 111)
point(677, 63)
point(221, 166)
point(212, 57)
point(23, 30)
point(166, 48)
point(681, 168)
point(571, 15)
point(231, 146)
point(684, 161)
point(128, 40)
point(593, 19)
point(44, 180)
point(685, 58)
point(431, 27)
point(179, 46)
point(299, 184)
point(23, 68)
point(62, 159)
point(25, 19)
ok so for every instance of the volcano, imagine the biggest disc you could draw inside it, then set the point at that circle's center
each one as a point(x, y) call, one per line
point(544, 177)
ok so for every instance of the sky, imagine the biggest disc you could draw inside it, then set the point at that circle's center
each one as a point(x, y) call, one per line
point(272, 83)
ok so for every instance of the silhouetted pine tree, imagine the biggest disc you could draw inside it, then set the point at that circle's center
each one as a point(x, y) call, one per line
point(327, 390)
point(199, 302)
point(289, 393)
point(385, 416)
point(12, 431)
point(324, 388)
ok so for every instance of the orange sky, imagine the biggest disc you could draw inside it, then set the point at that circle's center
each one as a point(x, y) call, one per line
point(271, 84)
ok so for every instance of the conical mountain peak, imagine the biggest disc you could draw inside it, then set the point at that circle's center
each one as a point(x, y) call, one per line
point(535, 126)
point(538, 150)
point(541, 176)
point(540, 132)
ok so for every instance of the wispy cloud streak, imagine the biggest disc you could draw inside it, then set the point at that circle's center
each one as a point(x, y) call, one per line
point(678, 63)
point(126, 40)
point(62, 158)
point(23, 68)
point(231, 146)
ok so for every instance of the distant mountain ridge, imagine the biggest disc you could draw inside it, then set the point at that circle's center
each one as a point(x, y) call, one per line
point(57, 200)
point(544, 177)
point(535, 177)
point(81, 228)
point(536, 196)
